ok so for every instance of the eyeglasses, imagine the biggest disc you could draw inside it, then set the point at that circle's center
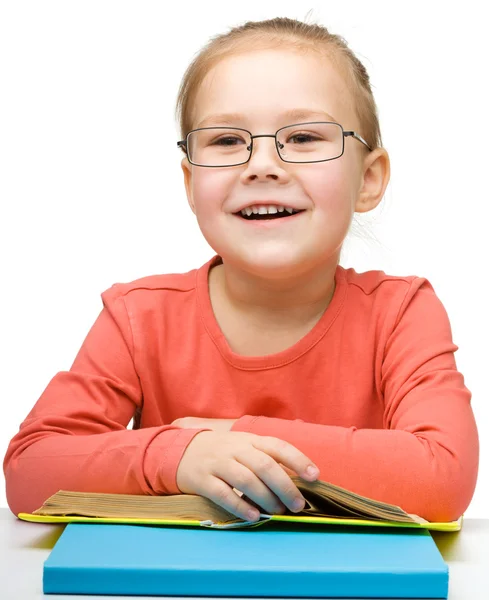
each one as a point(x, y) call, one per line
point(313, 142)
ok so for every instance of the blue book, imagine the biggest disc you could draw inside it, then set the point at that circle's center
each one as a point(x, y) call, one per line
point(275, 560)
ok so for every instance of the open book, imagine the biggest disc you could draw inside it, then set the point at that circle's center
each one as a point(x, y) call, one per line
point(325, 503)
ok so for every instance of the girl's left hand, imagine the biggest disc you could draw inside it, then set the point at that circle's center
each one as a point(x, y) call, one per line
point(200, 422)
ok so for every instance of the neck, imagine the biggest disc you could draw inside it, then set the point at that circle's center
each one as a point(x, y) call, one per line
point(292, 300)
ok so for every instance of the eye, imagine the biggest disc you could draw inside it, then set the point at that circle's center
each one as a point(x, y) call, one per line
point(226, 141)
point(302, 138)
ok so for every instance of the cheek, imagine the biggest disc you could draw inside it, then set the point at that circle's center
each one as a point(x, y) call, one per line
point(330, 188)
point(210, 189)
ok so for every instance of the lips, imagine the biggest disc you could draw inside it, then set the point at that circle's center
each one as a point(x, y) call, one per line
point(269, 221)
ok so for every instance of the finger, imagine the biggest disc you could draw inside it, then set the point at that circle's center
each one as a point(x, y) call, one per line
point(274, 477)
point(223, 495)
point(244, 480)
point(288, 471)
point(288, 455)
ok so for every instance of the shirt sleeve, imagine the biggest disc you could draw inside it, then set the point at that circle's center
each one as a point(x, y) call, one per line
point(76, 437)
point(426, 457)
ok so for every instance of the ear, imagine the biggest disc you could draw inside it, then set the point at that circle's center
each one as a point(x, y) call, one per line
point(376, 175)
point(187, 178)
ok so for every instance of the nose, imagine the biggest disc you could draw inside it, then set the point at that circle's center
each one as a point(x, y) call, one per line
point(264, 163)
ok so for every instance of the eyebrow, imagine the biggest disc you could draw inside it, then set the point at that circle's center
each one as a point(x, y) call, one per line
point(297, 114)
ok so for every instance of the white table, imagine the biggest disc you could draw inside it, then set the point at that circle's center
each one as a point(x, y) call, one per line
point(25, 546)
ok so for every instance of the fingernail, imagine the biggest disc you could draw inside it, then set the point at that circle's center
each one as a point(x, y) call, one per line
point(253, 515)
point(312, 471)
point(298, 504)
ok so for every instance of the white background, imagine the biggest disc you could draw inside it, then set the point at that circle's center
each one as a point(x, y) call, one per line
point(91, 190)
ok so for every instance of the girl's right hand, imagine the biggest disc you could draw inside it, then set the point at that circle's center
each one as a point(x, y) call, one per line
point(216, 462)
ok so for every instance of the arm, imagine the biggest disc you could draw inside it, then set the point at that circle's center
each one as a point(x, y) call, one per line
point(425, 459)
point(75, 437)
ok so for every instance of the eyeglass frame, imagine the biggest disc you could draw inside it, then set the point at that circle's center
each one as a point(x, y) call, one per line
point(184, 143)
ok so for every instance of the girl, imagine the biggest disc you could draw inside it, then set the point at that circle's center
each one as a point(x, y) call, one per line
point(270, 359)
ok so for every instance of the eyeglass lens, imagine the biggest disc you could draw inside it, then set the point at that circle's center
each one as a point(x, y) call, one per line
point(306, 142)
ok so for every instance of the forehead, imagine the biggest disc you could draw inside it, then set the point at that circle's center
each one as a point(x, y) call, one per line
point(263, 85)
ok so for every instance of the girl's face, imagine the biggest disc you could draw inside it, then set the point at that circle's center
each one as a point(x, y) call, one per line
point(262, 86)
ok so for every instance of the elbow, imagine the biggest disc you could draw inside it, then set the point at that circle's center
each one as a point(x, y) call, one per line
point(31, 475)
point(443, 510)
point(21, 494)
point(446, 496)
point(17, 499)
point(27, 482)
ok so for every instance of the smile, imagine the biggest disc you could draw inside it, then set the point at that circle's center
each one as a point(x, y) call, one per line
point(269, 220)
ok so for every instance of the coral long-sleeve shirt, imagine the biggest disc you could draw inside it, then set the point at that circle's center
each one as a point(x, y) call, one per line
point(371, 394)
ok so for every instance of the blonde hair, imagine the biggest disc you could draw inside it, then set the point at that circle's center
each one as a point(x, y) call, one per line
point(283, 32)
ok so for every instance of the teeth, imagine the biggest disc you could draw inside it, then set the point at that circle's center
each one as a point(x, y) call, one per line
point(264, 209)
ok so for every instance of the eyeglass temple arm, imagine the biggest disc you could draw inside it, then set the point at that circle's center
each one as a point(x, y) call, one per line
point(357, 137)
